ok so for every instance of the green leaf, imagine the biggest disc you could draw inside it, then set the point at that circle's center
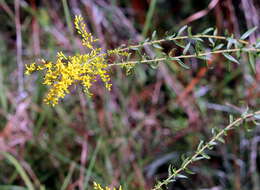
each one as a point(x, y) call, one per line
point(213, 131)
point(181, 30)
point(198, 47)
point(198, 39)
point(198, 158)
point(248, 33)
point(179, 62)
point(208, 30)
point(171, 36)
point(189, 171)
point(189, 32)
point(212, 42)
point(231, 41)
point(157, 46)
point(200, 145)
point(180, 43)
point(186, 49)
point(219, 46)
point(154, 65)
point(205, 155)
point(252, 61)
point(181, 176)
point(154, 34)
point(19, 169)
point(170, 170)
point(220, 139)
point(231, 119)
point(147, 40)
point(12, 187)
point(230, 58)
point(215, 32)
point(134, 48)
point(213, 143)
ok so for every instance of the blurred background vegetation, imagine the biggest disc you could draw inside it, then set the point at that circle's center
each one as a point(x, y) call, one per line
point(130, 135)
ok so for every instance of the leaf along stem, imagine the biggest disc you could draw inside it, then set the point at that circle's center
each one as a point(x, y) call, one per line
point(188, 56)
point(180, 38)
point(203, 148)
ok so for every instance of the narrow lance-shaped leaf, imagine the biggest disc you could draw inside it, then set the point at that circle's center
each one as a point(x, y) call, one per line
point(186, 49)
point(146, 40)
point(180, 43)
point(198, 158)
point(189, 171)
point(134, 48)
point(180, 62)
point(181, 30)
point(157, 46)
point(189, 32)
point(181, 176)
point(248, 33)
point(154, 34)
point(215, 32)
point(212, 42)
point(230, 58)
point(205, 155)
point(252, 61)
point(208, 30)
point(231, 41)
point(219, 46)
point(154, 64)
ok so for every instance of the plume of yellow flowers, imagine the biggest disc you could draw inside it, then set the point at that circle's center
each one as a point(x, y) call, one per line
point(99, 187)
point(80, 68)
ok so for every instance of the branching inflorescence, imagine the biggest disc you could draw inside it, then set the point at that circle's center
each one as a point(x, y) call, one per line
point(86, 68)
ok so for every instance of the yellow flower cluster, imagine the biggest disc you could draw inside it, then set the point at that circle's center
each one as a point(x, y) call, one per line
point(80, 68)
point(99, 187)
point(87, 38)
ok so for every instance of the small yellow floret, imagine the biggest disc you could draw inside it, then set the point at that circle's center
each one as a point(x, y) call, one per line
point(99, 187)
point(87, 38)
point(30, 68)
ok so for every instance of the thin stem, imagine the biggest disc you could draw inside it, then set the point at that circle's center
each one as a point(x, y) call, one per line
point(181, 38)
point(149, 16)
point(188, 56)
point(163, 40)
point(19, 47)
point(203, 148)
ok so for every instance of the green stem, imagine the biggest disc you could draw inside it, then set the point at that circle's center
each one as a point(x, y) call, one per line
point(188, 56)
point(149, 16)
point(181, 38)
point(203, 148)
point(19, 169)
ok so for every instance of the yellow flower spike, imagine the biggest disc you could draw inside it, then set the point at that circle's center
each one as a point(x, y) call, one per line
point(87, 38)
point(82, 69)
point(30, 68)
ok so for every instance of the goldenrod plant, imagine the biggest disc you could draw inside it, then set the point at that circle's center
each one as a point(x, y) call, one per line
point(85, 69)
